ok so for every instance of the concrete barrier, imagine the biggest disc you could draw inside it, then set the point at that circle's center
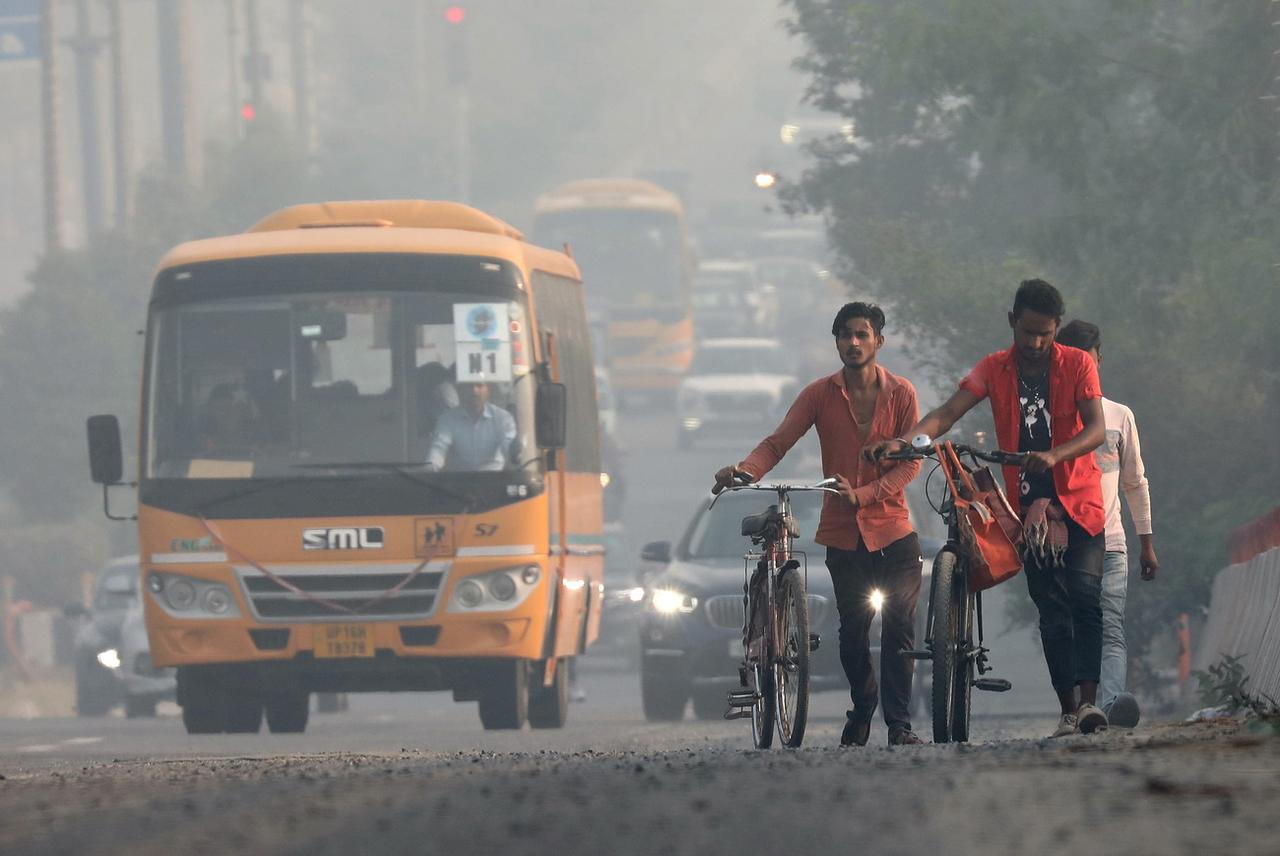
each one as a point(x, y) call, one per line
point(1244, 621)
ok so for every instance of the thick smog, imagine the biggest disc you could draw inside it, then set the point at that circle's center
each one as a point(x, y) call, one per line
point(678, 427)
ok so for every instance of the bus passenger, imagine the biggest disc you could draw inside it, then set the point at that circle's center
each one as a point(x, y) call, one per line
point(228, 423)
point(474, 436)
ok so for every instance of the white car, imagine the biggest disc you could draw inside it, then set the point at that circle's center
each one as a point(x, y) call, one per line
point(734, 386)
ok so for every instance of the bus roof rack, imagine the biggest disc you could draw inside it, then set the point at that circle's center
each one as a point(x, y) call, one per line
point(404, 213)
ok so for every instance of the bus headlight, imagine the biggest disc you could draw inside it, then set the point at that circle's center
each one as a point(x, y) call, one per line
point(502, 587)
point(180, 595)
point(188, 597)
point(495, 591)
point(217, 600)
point(469, 594)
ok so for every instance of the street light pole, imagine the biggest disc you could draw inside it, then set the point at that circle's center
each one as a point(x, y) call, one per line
point(85, 47)
point(119, 116)
point(49, 126)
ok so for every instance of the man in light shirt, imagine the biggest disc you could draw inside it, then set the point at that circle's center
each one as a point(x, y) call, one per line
point(1120, 459)
point(475, 436)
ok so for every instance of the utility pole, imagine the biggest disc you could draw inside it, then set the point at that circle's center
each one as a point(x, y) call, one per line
point(175, 114)
point(85, 47)
point(119, 116)
point(233, 67)
point(300, 60)
point(253, 63)
point(460, 78)
point(49, 126)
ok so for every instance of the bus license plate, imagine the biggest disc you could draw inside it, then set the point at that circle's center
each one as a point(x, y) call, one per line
point(343, 640)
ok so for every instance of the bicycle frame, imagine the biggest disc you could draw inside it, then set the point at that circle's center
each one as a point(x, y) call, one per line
point(774, 560)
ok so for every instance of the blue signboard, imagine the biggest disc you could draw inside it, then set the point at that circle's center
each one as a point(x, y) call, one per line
point(20, 29)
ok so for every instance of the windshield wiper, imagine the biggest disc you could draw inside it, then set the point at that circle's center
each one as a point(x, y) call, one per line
point(400, 469)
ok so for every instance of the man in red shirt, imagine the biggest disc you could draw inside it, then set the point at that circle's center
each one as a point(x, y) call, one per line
point(867, 531)
point(1047, 402)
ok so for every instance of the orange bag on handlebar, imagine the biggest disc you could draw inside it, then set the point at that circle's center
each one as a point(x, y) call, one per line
point(990, 554)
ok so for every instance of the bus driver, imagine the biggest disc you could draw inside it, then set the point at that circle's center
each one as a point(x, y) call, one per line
point(474, 436)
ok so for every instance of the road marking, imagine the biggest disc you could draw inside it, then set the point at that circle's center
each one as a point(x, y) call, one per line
point(40, 747)
point(82, 741)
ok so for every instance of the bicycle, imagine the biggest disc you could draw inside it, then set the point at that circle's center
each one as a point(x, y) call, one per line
point(954, 610)
point(774, 675)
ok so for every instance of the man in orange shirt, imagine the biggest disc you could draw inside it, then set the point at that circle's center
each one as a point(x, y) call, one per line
point(867, 531)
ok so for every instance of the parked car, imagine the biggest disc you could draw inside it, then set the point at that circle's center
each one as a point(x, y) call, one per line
point(734, 386)
point(691, 625)
point(111, 651)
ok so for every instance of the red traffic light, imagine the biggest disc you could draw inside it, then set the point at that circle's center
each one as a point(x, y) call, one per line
point(455, 14)
point(248, 111)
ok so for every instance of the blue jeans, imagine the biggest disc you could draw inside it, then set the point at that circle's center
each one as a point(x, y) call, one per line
point(1115, 587)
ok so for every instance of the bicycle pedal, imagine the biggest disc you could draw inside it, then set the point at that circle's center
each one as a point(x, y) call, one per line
point(915, 654)
point(815, 641)
point(742, 698)
point(737, 713)
point(992, 685)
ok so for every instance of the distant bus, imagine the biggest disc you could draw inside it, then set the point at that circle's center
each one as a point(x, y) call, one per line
point(631, 241)
point(369, 461)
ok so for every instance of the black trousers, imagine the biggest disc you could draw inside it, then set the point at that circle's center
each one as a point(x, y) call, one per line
point(1069, 600)
point(895, 571)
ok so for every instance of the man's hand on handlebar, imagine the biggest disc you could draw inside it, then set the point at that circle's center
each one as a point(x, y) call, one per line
point(1039, 462)
point(846, 488)
point(876, 451)
point(731, 475)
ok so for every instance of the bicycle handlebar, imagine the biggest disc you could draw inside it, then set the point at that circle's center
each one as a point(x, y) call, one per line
point(826, 485)
point(993, 456)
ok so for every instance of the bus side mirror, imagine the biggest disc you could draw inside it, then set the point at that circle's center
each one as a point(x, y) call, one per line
point(551, 415)
point(106, 462)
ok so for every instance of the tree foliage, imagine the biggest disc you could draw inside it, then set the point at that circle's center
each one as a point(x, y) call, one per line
point(1123, 149)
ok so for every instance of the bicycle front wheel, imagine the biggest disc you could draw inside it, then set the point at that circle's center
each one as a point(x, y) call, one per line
point(791, 668)
point(946, 620)
point(961, 706)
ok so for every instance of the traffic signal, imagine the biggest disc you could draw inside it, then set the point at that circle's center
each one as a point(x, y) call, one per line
point(456, 45)
point(248, 112)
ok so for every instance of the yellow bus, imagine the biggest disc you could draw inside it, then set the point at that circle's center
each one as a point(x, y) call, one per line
point(368, 461)
point(631, 241)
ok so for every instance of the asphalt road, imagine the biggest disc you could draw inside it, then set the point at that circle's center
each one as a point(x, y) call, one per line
point(416, 773)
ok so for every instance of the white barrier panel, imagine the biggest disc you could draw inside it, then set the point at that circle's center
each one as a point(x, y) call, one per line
point(1244, 621)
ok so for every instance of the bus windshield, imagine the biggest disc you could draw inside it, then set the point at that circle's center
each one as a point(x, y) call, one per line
point(628, 257)
point(289, 384)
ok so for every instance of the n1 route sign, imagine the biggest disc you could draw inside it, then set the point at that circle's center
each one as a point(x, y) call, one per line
point(20, 29)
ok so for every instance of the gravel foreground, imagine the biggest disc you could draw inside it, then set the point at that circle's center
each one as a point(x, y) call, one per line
point(1209, 788)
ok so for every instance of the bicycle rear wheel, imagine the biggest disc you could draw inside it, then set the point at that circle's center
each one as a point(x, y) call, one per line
point(961, 707)
point(946, 617)
point(791, 669)
point(764, 711)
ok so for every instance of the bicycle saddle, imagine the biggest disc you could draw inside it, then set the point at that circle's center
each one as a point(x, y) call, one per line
point(767, 521)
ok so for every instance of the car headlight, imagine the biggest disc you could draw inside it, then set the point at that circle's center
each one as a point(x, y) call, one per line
point(876, 599)
point(110, 659)
point(495, 591)
point(670, 601)
point(188, 597)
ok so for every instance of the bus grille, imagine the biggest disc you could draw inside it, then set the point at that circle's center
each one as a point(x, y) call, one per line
point(725, 611)
point(362, 593)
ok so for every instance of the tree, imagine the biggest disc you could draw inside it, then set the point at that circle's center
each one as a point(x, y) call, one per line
point(1122, 150)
